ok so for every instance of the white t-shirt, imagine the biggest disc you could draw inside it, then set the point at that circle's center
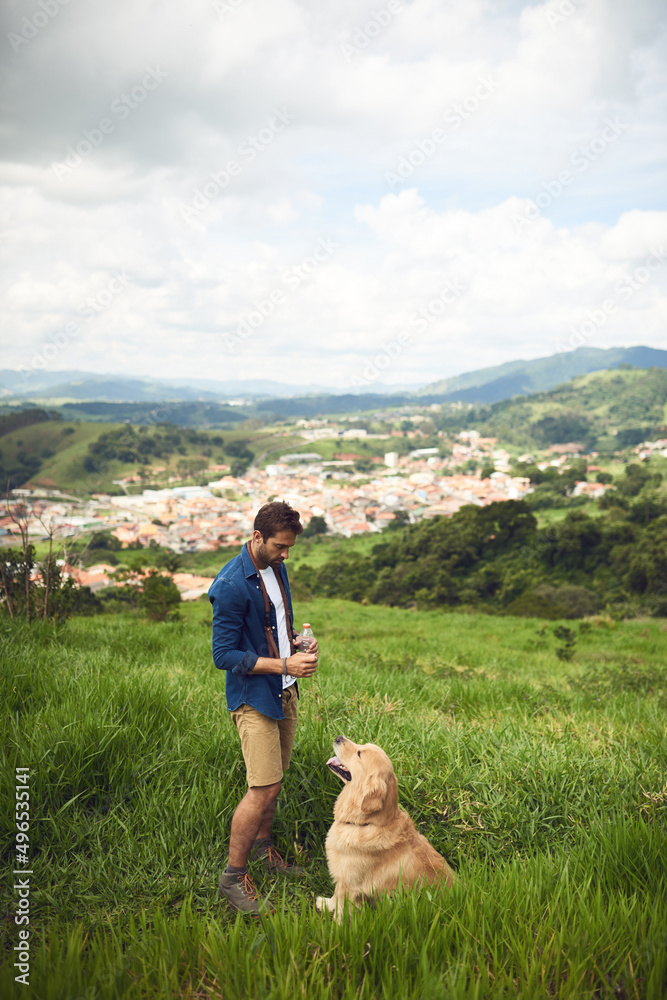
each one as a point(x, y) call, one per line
point(276, 597)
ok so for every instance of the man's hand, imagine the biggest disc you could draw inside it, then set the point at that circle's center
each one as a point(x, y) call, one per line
point(313, 647)
point(302, 664)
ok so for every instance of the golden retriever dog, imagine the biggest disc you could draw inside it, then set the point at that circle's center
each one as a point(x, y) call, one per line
point(373, 846)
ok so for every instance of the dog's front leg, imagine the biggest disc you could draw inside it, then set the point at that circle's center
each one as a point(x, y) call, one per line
point(338, 902)
point(335, 904)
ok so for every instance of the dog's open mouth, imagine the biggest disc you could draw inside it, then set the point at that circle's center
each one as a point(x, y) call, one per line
point(335, 765)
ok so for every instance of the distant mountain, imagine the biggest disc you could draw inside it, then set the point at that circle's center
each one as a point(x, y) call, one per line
point(120, 390)
point(520, 378)
point(78, 385)
point(485, 385)
point(90, 386)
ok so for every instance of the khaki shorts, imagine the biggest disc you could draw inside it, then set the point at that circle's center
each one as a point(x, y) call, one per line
point(267, 743)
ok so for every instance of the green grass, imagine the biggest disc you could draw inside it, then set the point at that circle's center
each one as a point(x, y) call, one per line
point(552, 515)
point(542, 782)
point(64, 469)
point(329, 448)
point(318, 550)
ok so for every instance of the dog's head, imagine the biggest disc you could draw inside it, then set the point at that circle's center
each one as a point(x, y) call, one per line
point(370, 783)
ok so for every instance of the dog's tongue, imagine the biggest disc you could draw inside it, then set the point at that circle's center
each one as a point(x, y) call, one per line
point(335, 765)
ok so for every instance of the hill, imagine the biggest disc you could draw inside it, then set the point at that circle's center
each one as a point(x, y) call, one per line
point(487, 385)
point(524, 377)
point(183, 413)
point(604, 410)
point(88, 457)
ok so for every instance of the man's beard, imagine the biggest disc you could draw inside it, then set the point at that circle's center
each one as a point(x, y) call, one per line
point(263, 556)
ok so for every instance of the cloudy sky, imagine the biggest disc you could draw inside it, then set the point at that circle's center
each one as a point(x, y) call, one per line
point(339, 193)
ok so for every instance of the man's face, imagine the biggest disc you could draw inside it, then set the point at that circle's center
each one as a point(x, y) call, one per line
point(274, 550)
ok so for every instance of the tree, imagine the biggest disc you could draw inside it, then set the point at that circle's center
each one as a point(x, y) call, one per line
point(43, 594)
point(16, 570)
point(401, 520)
point(363, 465)
point(159, 597)
point(170, 560)
point(20, 514)
point(242, 456)
point(636, 477)
point(316, 526)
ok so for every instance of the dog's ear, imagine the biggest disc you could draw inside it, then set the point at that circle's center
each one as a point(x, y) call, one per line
point(373, 793)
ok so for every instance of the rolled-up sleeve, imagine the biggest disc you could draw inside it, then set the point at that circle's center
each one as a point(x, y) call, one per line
point(229, 613)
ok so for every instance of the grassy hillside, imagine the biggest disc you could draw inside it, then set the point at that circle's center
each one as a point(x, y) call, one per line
point(184, 413)
point(69, 455)
point(541, 782)
point(607, 410)
point(57, 451)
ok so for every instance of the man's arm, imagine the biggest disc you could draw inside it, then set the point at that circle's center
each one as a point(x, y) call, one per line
point(229, 610)
point(298, 665)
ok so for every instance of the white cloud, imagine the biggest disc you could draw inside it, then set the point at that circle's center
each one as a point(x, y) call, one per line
point(223, 75)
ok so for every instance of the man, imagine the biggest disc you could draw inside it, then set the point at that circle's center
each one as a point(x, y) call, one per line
point(254, 641)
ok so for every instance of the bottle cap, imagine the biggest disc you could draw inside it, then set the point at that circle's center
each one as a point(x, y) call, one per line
point(306, 624)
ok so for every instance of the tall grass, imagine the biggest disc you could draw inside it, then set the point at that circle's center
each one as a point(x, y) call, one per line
point(543, 782)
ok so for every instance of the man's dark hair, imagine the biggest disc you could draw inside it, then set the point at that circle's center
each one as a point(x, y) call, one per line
point(277, 516)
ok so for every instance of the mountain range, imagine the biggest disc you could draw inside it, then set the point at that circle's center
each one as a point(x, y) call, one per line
point(485, 385)
point(80, 386)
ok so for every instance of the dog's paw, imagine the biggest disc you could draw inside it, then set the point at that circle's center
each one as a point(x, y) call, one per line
point(320, 904)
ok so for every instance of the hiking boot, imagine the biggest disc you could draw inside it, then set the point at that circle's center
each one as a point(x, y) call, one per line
point(239, 889)
point(273, 861)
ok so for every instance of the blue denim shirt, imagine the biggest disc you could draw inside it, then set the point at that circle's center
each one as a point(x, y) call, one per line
point(239, 638)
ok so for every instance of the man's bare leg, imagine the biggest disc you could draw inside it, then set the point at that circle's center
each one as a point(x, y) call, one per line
point(252, 821)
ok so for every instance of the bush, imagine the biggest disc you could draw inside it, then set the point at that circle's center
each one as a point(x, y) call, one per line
point(533, 605)
point(100, 556)
point(550, 602)
point(104, 540)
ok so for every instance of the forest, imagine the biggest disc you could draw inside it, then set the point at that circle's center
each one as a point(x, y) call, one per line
point(498, 559)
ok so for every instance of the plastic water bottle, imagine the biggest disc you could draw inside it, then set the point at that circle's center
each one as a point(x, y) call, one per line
point(307, 638)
